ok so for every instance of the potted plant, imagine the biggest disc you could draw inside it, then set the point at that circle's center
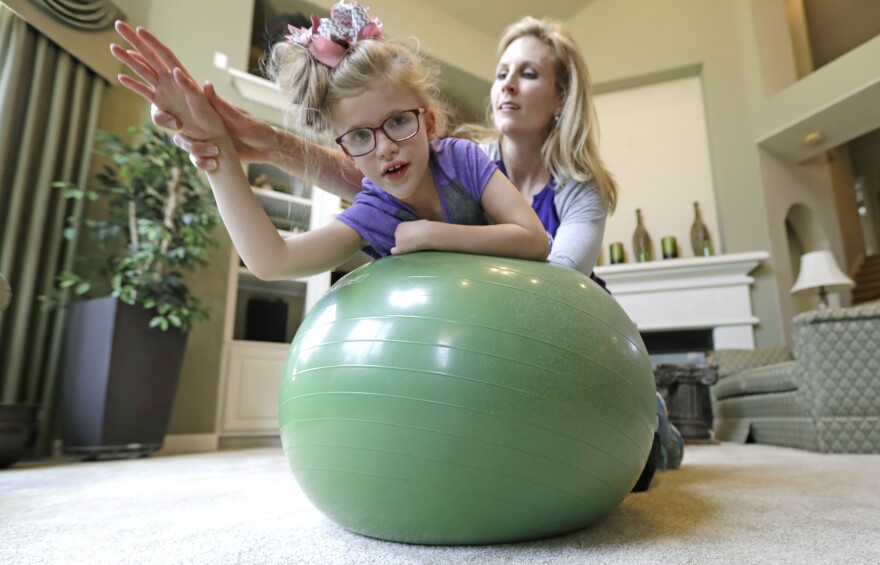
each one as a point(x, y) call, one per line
point(127, 334)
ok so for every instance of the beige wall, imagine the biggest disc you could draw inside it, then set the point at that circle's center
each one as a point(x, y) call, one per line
point(194, 29)
point(654, 139)
point(627, 39)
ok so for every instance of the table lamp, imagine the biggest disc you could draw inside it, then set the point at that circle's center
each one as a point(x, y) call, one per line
point(820, 270)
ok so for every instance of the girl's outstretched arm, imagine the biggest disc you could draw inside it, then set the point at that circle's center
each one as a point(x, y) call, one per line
point(254, 140)
point(518, 233)
point(255, 238)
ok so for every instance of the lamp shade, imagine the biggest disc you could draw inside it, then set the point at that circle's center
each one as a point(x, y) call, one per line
point(819, 269)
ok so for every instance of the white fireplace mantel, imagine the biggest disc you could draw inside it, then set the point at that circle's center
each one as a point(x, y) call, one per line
point(690, 294)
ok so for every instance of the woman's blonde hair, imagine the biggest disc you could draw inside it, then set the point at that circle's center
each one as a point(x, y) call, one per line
point(313, 88)
point(571, 150)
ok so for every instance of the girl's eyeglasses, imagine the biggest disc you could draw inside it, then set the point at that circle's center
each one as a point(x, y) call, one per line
point(399, 127)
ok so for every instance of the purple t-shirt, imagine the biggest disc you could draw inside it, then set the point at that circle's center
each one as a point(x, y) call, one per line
point(460, 170)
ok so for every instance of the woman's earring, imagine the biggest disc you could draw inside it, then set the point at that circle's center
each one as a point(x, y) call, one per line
point(556, 120)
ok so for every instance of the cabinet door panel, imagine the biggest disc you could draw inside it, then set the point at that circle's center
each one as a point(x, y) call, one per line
point(252, 383)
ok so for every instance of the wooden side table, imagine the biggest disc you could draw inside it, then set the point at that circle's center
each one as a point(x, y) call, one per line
point(685, 388)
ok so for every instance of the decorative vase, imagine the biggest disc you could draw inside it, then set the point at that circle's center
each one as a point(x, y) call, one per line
point(701, 242)
point(641, 240)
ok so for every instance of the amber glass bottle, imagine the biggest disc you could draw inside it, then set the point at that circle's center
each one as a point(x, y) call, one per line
point(641, 240)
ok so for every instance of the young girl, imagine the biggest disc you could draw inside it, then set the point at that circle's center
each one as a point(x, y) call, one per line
point(380, 104)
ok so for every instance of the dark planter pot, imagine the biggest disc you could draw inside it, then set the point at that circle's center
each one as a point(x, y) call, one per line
point(119, 380)
point(18, 431)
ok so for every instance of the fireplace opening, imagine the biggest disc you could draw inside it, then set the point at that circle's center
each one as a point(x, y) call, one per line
point(678, 346)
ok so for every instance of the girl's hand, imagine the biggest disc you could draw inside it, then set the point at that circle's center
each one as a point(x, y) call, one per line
point(165, 83)
point(254, 139)
point(413, 236)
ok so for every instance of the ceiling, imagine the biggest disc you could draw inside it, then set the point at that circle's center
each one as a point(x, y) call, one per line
point(486, 16)
point(491, 16)
point(836, 27)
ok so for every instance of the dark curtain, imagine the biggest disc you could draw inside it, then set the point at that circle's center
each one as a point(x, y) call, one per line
point(49, 104)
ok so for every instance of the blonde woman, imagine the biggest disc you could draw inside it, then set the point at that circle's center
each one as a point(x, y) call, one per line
point(545, 138)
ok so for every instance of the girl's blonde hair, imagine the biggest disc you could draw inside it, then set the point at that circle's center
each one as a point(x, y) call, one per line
point(571, 150)
point(313, 88)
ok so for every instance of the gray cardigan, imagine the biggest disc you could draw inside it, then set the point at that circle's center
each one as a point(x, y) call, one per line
point(582, 215)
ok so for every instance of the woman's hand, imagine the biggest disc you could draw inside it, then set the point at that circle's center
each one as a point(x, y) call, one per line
point(254, 139)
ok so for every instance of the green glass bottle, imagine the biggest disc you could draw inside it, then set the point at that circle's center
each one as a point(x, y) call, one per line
point(641, 240)
point(701, 242)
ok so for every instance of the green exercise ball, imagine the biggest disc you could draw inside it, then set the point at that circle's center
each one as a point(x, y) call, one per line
point(445, 398)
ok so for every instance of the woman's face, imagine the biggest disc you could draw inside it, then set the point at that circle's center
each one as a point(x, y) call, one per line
point(524, 95)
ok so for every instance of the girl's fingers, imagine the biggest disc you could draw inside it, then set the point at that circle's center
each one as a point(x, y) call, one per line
point(160, 49)
point(125, 31)
point(138, 57)
point(186, 82)
point(199, 108)
point(131, 36)
point(136, 87)
point(136, 64)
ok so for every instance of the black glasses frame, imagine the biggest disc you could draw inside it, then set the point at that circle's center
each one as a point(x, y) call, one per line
point(416, 111)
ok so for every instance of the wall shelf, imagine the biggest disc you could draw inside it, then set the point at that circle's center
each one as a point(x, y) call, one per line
point(251, 369)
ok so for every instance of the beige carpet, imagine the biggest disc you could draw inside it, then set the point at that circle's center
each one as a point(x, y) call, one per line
point(727, 504)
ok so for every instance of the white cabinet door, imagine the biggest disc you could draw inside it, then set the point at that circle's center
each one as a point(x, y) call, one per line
point(252, 381)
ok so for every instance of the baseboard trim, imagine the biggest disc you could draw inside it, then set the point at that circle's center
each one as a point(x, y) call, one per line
point(189, 443)
point(244, 442)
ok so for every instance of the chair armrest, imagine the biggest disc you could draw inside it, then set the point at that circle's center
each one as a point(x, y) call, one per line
point(731, 361)
point(866, 311)
point(812, 329)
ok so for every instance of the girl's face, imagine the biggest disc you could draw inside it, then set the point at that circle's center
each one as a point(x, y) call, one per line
point(400, 168)
point(525, 99)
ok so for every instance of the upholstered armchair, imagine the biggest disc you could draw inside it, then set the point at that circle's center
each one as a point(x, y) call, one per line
point(825, 397)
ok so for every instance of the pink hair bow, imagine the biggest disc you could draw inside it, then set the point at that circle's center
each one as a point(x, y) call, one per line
point(330, 38)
